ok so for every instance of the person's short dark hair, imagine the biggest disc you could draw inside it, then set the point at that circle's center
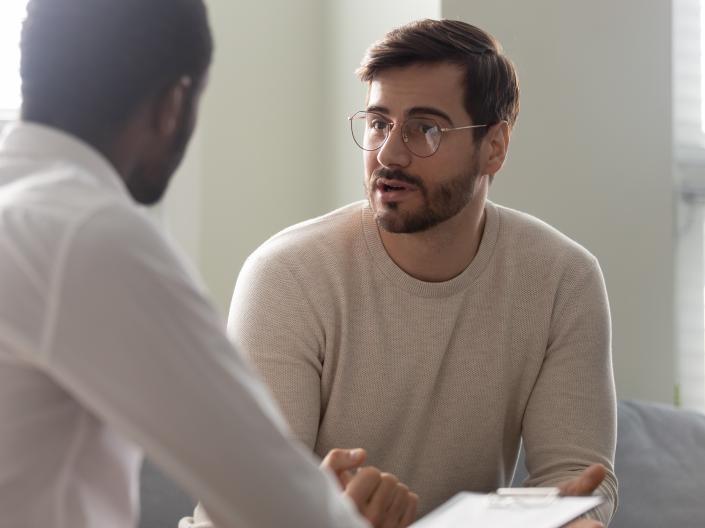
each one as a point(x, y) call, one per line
point(491, 85)
point(86, 65)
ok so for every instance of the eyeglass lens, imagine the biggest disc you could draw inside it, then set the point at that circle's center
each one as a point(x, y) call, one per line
point(421, 136)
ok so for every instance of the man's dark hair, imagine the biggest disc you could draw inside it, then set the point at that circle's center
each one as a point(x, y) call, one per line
point(491, 85)
point(87, 65)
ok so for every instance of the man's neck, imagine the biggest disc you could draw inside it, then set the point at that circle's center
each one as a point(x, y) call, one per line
point(444, 251)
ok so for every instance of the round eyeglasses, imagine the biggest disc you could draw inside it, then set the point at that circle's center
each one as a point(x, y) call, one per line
point(421, 135)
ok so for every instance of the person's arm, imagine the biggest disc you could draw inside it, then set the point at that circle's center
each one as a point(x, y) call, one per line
point(570, 420)
point(132, 336)
point(280, 330)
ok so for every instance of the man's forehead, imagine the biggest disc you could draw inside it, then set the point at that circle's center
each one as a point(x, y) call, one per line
point(433, 86)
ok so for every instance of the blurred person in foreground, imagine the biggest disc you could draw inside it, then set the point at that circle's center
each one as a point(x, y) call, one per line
point(109, 345)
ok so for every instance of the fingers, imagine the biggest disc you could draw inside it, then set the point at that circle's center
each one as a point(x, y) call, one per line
point(402, 511)
point(362, 486)
point(344, 478)
point(410, 512)
point(341, 461)
point(382, 499)
point(586, 482)
point(397, 506)
point(338, 460)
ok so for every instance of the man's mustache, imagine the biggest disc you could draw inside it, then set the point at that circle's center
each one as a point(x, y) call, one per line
point(396, 174)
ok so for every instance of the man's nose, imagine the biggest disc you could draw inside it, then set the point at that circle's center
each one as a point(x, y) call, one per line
point(393, 153)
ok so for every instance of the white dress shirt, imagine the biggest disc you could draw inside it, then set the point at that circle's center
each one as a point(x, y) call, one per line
point(109, 342)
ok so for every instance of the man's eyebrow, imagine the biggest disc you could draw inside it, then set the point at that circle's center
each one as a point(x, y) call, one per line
point(378, 109)
point(415, 111)
point(428, 110)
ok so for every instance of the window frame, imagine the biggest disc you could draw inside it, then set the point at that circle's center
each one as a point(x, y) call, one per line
point(689, 175)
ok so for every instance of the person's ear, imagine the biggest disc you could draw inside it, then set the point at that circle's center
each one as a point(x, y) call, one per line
point(496, 145)
point(171, 108)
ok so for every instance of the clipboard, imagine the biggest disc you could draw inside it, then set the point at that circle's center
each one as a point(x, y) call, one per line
point(509, 508)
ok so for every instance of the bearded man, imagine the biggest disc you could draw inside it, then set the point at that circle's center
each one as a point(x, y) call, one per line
point(427, 324)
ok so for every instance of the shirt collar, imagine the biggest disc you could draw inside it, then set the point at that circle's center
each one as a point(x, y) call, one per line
point(43, 142)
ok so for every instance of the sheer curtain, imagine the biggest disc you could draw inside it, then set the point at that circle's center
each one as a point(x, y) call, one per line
point(689, 170)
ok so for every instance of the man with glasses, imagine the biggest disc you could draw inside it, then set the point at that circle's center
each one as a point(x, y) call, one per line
point(426, 323)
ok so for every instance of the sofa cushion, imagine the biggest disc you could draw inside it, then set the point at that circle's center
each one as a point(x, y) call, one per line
point(660, 465)
point(162, 501)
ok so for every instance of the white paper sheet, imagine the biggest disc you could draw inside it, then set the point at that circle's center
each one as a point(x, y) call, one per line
point(476, 510)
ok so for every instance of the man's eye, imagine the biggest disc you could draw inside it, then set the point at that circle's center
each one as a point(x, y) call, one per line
point(422, 127)
point(378, 125)
point(428, 128)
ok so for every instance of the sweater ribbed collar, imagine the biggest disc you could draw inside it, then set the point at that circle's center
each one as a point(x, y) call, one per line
point(431, 289)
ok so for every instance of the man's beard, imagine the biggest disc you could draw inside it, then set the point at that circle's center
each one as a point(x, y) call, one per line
point(440, 203)
point(149, 181)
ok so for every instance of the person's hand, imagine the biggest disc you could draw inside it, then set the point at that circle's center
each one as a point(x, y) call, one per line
point(343, 463)
point(584, 484)
point(380, 497)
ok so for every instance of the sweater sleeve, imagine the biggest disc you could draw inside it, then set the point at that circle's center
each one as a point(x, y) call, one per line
point(570, 419)
point(276, 326)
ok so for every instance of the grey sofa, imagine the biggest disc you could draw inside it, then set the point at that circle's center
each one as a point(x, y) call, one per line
point(660, 464)
point(163, 503)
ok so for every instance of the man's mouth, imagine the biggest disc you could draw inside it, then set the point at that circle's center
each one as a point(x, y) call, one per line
point(386, 185)
point(391, 191)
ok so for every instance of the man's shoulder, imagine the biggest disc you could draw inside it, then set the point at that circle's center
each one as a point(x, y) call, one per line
point(526, 234)
point(314, 255)
point(46, 209)
point(59, 193)
point(330, 233)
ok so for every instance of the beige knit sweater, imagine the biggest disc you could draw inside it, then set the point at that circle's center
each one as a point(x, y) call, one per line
point(438, 381)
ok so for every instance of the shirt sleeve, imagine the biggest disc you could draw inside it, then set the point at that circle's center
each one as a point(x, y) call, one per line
point(277, 328)
point(130, 333)
point(570, 420)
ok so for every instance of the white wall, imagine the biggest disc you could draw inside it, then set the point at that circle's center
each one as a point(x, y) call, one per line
point(592, 155)
point(261, 123)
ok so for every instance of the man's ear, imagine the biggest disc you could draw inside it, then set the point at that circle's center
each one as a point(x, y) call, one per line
point(496, 145)
point(172, 106)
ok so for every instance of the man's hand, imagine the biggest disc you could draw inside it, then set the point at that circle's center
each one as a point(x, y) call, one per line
point(584, 484)
point(380, 497)
point(343, 462)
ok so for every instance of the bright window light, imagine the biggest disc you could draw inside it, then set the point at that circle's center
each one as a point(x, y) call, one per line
point(702, 65)
point(12, 13)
